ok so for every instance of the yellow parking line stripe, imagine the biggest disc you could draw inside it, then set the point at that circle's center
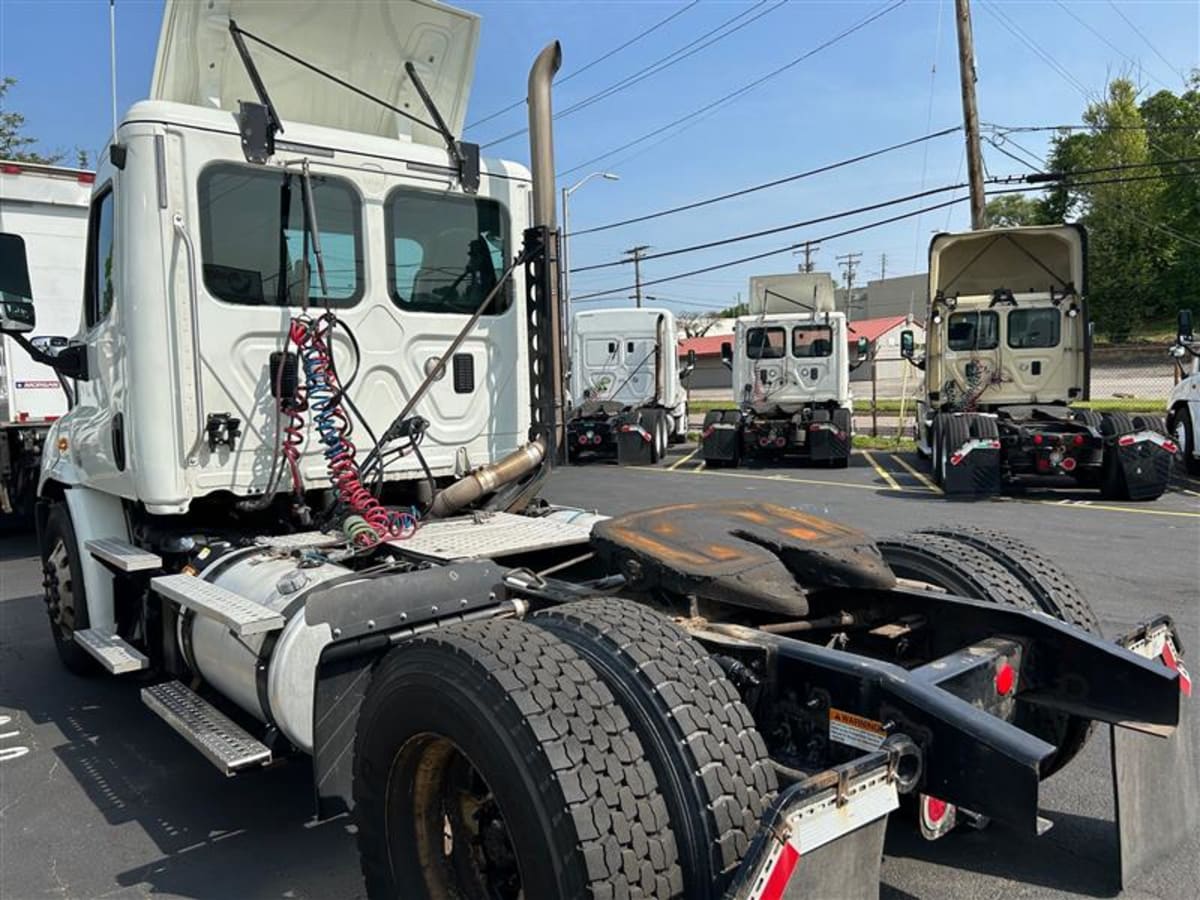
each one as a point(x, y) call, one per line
point(915, 474)
point(679, 462)
point(776, 478)
point(1087, 504)
point(880, 471)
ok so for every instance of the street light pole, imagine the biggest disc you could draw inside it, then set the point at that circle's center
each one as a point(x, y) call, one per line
point(566, 239)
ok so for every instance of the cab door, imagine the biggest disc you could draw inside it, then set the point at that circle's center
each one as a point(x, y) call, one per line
point(98, 430)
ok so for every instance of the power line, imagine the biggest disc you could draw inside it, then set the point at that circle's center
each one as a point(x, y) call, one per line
point(766, 232)
point(1147, 42)
point(845, 33)
point(599, 59)
point(1110, 44)
point(616, 293)
point(768, 184)
point(655, 67)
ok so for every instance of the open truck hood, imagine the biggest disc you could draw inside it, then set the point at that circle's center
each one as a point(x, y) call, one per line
point(364, 42)
point(1024, 260)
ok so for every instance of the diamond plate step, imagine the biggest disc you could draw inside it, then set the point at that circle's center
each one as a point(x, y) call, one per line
point(123, 555)
point(111, 651)
point(244, 617)
point(222, 741)
point(490, 536)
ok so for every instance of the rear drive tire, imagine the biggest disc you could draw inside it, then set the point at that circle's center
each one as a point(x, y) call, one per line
point(490, 761)
point(956, 431)
point(62, 583)
point(710, 761)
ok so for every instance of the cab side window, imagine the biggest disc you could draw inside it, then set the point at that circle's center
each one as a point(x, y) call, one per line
point(98, 299)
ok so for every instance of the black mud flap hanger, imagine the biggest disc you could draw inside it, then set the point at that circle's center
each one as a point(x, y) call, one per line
point(1155, 782)
point(823, 836)
point(973, 470)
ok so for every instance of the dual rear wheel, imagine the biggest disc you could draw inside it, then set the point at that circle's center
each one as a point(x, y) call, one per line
point(592, 751)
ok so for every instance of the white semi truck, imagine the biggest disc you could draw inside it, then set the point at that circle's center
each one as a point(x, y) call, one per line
point(791, 378)
point(627, 392)
point(47, 206)
point(702, 700)
point(1183, 403)
point(1008, 357)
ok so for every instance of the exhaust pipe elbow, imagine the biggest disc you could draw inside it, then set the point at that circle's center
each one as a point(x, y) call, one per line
point(487, 479)
point(541, 133)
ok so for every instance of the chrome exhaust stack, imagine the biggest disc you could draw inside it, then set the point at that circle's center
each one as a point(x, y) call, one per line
point(541, 134)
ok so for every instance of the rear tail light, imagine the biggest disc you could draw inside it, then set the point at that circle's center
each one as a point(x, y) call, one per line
point(1068, 464)
point(1078, 440)
point(596, 439)
point(1170, 446)
point(937, 817)
point(1006, 679)
point(1037, 439)
point(583, 439)
point(764, 441)
point(1125, 440)
point(779, 441)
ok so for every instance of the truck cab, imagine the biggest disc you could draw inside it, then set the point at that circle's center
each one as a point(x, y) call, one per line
point(1008, 355)
point(791, 382)
point(626, 385)
point(1183, 403)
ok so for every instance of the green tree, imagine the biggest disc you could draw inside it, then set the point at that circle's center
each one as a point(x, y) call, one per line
point(1128, 255)
point(1016, 209)
point(14, 143)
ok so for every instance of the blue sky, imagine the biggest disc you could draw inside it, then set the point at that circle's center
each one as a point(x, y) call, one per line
point(891, 81)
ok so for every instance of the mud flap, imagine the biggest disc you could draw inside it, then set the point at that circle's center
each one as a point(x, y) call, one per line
point(823, 837)
point(635, 442)
point(827, 442)
point(1145, 464)
point(973, 469)
point(719, 438)
point(1155, 783)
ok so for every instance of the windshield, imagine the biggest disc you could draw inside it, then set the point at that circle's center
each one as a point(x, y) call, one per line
point(766, 343)
point(1029, 328)
point(812, 341)
point(446, 251)
point(252, 232)
point(973, 331)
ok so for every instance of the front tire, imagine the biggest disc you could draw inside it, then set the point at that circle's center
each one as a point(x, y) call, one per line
point(1183, 429)
point(490, 761)
point(66, 599)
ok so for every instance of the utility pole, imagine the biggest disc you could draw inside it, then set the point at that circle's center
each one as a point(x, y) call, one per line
point(966, 72)
point(809, 248)
point(636, 253)
point(849, 262)
point(882, 266)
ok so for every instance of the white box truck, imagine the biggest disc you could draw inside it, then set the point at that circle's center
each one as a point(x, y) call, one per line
point(47, 207)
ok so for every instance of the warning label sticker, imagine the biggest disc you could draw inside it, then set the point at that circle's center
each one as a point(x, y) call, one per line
point(855, 731)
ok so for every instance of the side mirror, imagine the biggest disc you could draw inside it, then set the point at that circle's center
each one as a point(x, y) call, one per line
point(689, 365)
point(1184, 331)
point(727, 354)
point(50, 345)
point(16, 297)
point(907, 344)
point(864, 348)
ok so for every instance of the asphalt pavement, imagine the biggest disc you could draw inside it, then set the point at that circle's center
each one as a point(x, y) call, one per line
point(98, 798)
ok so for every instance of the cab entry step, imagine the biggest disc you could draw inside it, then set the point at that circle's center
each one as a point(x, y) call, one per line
point(111, 651)
point(122, 555)
point(244, 617)
point(219, 738)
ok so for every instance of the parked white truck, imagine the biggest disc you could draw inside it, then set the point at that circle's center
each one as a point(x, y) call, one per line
point(1183, 403)
point(791, 377)
point(1008, 357)
point(513, 700)
point(47, 206)
point(628, 398)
